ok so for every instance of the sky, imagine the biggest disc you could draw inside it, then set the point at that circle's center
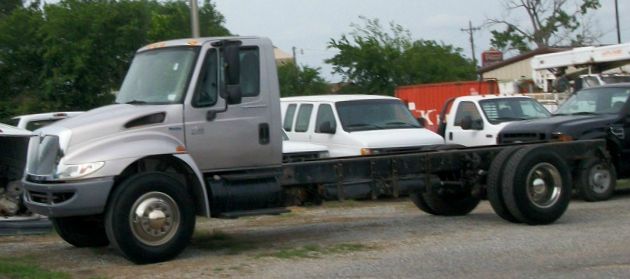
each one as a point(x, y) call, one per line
point(308, 25)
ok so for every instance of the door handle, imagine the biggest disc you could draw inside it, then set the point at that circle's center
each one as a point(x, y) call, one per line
point(263, 133)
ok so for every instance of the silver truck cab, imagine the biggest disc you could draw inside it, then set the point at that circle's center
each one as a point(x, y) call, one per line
point(191, 110)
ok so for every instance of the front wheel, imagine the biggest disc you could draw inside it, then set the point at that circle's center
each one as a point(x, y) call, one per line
point(596, 180)
point(81, 231)
point(445, 203)
point(150, 218)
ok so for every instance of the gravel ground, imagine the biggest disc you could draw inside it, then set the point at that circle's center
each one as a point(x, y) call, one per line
point(381, 239)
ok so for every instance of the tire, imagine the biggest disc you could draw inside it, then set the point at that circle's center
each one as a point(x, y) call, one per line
point(166, 224)
point(494, 182)
point(446, 204)
point(596, 180)
point(536, 186)
point(82, 231)
point(419, 201)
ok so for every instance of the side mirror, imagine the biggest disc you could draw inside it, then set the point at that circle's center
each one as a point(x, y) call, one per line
point(232, 68)
point(327, 128)
point(477, 124)
point(466, 123)
point(422, 121)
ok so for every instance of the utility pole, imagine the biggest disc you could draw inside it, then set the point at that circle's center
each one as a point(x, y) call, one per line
point(294, 57)
point(194, 18)
point(470, 31)
point(617, 17)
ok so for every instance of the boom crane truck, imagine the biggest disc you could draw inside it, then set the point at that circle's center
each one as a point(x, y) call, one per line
point(584, 65)
point(195, 130)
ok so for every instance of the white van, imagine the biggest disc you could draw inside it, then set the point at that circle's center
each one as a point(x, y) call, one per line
point(351, 125)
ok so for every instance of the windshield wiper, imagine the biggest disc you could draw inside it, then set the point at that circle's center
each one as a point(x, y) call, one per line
point(583, 113)
point(400, 123)
point(362, 126)
point(136, 102)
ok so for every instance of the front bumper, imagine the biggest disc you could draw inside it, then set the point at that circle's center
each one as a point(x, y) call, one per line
point(70, 198)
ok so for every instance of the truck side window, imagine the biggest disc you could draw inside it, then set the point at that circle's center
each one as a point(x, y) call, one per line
point(466, 109)
point(207, 88)
point(325, 114)
point(288, 117)
point(250, 72)
point(303, 117)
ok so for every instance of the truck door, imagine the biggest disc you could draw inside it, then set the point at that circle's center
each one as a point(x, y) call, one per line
point(239, 137)
point(458, 133)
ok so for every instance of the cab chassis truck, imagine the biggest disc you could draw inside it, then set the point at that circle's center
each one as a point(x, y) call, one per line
point(196, 131)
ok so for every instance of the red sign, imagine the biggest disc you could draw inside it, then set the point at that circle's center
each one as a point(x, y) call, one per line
point(490, 57)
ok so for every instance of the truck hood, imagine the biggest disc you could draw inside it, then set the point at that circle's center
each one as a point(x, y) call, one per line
point(101, 122)
point(577, 126)
point(397, 138)
point(289, 147)
point(10, 131)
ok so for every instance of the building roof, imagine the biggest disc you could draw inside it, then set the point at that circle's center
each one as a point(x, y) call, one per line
point(521, 57)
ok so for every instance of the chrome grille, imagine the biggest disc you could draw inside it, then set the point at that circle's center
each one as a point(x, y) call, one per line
point(521, 137)
point(44, 154)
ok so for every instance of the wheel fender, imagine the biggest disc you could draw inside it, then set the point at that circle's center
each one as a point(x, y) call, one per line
point(199, 189)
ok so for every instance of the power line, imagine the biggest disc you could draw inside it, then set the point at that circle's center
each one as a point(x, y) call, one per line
point(470, 31)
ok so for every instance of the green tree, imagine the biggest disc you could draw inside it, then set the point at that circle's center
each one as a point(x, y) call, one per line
point(374, 61)
point(300, 81)
point(550, 22)
point(21, 61)
point(7, 6)
point(73, 54)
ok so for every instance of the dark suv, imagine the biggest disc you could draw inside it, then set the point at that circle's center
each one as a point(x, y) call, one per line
point(593, 113)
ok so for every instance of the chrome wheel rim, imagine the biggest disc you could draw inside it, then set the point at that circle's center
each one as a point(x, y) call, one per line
point(154, 218)
point(599, 178)
point(544, 185)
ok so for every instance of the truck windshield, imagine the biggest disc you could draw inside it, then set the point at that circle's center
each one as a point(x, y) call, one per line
point(615, 79)
point(512, 109)
point(602, 100)
point(363, 115)
point(158, 76)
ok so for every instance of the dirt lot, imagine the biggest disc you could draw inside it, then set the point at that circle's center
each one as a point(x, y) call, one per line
point(361, 239)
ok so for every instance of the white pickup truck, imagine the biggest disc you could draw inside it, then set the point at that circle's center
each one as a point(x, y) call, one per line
point(351, 125)
point(477, 120)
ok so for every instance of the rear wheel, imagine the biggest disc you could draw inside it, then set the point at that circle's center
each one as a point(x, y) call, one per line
point(81, 231)
point(494, 184)
point(596, 180)
point(150, 218)
point(536, 186)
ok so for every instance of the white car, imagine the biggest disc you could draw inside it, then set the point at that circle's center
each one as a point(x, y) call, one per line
point(294, 151)
point(351, 125)
point(33, 122)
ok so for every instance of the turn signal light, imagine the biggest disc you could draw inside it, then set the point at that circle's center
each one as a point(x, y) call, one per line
point(561, 137)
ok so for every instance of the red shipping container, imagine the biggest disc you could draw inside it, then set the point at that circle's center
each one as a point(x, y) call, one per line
point(426, 100)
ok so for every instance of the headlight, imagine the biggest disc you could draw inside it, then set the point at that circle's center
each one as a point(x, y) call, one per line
point(370, 151)
point(76, 171)
point(559, 136)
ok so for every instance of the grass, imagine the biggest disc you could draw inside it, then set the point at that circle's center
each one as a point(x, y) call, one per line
point(316, 251)
point(343, 204)
point(220, 241)
point(623, 184)
point(25, 267)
